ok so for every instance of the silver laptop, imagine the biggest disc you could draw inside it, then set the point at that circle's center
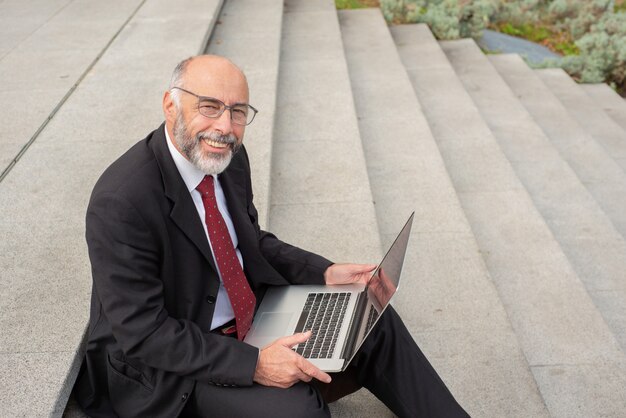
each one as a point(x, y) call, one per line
point(340, 317)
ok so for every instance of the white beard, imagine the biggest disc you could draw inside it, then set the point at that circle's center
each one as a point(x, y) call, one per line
point(207, 162)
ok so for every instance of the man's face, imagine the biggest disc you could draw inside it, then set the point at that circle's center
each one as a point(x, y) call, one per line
point(209, 143)
point(209, 150)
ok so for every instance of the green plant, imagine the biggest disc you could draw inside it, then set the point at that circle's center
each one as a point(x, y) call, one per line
point(355, 4)
point(591, 34)
point(448, 19)
point(602, 52)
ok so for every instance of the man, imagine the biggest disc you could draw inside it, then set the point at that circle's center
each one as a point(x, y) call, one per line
point(179, 263)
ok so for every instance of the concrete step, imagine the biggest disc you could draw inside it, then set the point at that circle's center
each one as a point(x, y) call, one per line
point(45, 282)
point(45, 50)
point(612, 103)
point(448, 300)
point(584, 110)
point(595, 168)
point(572, 353)
point(593, 246)
point(20, 19)
point(320, 193)
point(249, 33)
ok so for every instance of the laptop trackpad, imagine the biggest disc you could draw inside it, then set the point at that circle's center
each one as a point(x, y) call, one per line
point(273, 324)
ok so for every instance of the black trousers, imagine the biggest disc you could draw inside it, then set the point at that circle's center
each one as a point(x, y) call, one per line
point(389, 364)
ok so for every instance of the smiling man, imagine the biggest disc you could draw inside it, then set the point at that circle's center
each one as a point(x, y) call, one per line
point(179, 265)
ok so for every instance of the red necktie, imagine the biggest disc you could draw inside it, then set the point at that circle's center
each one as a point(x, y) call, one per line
point(241, 297)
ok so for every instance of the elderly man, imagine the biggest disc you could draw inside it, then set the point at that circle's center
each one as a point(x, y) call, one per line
point(179, 264)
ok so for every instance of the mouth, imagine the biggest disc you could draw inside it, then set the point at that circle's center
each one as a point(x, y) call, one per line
point(216, 144)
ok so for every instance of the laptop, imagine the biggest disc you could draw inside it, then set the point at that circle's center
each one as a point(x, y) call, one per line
point(339, 316)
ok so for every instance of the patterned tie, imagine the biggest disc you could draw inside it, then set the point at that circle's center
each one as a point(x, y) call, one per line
point(241, 297)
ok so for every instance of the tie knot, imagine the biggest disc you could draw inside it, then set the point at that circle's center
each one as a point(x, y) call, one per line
point(206, 186)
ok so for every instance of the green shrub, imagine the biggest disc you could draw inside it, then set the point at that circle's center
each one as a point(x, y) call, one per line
point(602, 52)
point(590, 33)
point(448, 19)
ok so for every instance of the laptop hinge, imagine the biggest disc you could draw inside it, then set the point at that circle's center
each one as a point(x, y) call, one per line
point(355, 325)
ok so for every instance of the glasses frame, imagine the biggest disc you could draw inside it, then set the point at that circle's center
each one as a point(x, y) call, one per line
point(225, 107)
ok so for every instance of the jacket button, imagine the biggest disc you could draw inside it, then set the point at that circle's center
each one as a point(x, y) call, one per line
point(210, 299)
point(184, 397)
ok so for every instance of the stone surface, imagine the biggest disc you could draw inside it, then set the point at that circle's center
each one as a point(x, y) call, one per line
point(296, 173)
point(359, 404)
point(585, 111)
point(45, 286)
point(572, 391)
point(612, 103)
point(256, 50)
point(19, 20)
point(550, 311)
point(496, 42)
point(600, 174)
point(49, 48)
point(496, 384)
point(447, 298)
point(594, 248)
point(37, 398)
point(321, 198)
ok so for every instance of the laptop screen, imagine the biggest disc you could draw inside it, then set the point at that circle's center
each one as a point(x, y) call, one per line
point(383, 283)
point(386, 278)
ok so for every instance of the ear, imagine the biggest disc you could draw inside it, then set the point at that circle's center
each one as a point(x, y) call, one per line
point(169, 108)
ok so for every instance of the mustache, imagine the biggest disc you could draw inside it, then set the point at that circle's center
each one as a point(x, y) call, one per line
point(217, 137)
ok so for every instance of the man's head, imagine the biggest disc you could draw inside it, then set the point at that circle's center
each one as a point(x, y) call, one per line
point(209, 142)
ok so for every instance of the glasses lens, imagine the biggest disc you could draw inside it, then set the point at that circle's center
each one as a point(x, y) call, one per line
point(241, 114)
point(210, 108)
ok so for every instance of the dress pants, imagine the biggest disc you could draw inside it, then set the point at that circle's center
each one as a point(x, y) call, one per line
point(389, 364)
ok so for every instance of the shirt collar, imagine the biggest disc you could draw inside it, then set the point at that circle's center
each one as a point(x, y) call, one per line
point(191, 175)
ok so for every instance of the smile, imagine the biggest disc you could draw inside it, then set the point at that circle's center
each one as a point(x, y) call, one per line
point(216, 144)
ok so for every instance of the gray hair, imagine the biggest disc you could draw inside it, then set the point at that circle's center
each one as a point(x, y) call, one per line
point(177, 79)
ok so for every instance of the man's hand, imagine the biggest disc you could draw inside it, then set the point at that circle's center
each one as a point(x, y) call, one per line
point(280, 366)
point(348, 273)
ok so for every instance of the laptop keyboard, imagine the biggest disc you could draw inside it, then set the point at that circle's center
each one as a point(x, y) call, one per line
point(371, 318)
point(323, 314)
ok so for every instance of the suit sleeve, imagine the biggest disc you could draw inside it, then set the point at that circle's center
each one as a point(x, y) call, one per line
point(126, 270)
point(296, 265)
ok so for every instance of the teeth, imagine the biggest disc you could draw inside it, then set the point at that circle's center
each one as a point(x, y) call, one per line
point(216, 144)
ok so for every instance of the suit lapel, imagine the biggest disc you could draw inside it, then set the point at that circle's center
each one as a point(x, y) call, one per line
point(183, 213)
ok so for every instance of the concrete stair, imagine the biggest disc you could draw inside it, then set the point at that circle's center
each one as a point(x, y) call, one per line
point(514, 284)
point(321, 197)
point(46, 50)
point(46, 281)
point(584, 110)
point(593, 165)
point(448, 299)
point(565, 339)
point(256, 50)
point(612, 103)
point(568, 208)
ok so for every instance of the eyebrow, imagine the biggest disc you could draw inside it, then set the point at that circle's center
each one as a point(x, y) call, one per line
point(200, 97)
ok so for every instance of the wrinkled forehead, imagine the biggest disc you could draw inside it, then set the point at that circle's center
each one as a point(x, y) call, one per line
point(216, 77)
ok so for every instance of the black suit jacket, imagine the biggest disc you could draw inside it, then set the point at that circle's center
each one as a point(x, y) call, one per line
point(155, 285)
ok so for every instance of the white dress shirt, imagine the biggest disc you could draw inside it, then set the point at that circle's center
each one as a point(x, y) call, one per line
point(192, 177)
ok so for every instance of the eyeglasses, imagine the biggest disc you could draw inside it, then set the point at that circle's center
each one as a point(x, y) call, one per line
point(240, 113)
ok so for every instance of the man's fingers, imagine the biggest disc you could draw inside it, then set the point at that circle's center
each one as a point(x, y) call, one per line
point(309, 369)
point(291, 340)
point(360, 268)
point(367, 267)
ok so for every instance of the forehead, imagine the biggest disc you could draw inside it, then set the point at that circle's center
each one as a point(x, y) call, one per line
point(217, 78)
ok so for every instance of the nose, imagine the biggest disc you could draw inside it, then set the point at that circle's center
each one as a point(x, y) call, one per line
point(223, 123)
